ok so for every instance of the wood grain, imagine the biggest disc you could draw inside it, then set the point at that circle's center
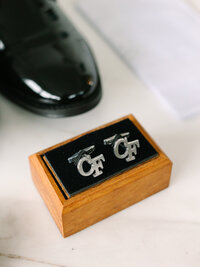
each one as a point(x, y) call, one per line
point(94, 204)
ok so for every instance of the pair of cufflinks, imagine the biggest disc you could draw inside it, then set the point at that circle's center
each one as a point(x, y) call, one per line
point(122, 149)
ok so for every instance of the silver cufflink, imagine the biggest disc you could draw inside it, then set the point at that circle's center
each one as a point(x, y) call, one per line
point(128, 149)
point(82, 158)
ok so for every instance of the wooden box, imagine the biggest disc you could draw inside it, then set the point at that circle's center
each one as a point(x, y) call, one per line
point(73, 213)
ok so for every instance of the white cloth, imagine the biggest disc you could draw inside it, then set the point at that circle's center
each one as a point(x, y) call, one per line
point(160, 40)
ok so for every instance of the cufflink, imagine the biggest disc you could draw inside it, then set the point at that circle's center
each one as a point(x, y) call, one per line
point(83, 157)
point(128, 148)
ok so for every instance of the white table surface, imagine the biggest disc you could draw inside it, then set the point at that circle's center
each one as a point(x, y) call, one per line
point(163, 230)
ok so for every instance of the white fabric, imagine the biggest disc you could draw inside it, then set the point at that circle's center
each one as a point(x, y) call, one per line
point(160, 40)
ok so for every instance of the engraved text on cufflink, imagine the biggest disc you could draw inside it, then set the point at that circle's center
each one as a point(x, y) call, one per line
point(128, 148)
point(82, 158)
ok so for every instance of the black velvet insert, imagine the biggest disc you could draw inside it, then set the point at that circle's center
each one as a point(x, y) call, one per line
point(67, 173)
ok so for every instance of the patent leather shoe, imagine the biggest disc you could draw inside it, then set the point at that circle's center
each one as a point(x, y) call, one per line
point(46, 66)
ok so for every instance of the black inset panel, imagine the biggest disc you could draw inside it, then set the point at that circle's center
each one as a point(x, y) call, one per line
point(68, 174)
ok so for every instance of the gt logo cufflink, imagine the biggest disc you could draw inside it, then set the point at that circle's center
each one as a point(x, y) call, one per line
point(83, 157)
point(128, 149)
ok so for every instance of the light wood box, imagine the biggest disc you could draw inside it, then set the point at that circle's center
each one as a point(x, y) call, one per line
point(96, 203)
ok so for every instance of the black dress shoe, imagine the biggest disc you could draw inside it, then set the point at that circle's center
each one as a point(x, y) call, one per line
point(45, 64)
